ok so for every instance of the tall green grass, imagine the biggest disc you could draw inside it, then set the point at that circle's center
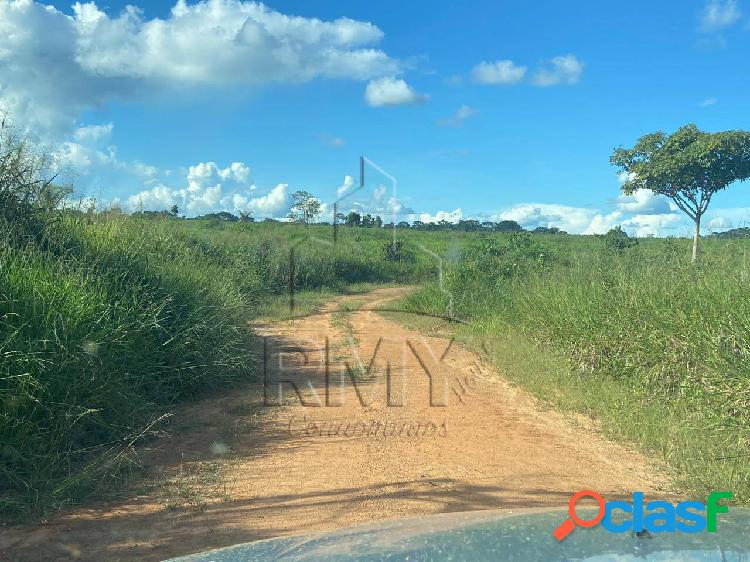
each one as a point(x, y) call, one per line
point(101, 328)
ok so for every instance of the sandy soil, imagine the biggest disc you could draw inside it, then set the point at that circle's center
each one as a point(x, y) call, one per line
point(427, 428)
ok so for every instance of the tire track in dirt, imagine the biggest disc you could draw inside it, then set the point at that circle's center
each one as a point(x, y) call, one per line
point(237, 469)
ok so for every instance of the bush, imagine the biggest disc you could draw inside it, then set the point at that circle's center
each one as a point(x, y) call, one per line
point(617, 240)
point(394, 251)
point(489, 264)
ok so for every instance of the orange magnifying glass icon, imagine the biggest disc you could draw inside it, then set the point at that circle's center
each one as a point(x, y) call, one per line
point(569, 524)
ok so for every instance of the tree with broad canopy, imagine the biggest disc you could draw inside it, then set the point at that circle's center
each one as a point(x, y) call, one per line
point(689, 167)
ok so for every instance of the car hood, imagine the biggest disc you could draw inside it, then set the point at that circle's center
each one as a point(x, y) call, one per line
point(492, 536)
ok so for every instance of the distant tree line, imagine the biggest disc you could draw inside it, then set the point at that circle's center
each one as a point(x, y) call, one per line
point(174, 213)
point(306, 209)
point(358, 220)
point(743, 232)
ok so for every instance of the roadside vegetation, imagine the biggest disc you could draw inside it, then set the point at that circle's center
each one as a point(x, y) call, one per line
point(652, 347)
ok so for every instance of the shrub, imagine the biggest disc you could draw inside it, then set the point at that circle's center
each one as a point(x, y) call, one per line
point(617, 240)
point(488, 265)
point(394, 251)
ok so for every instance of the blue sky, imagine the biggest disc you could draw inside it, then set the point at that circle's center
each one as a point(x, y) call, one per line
point(480, 110)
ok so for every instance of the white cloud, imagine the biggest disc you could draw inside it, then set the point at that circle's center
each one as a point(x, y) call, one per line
point(647, 220)
point(719, 223)
point(41, 83)
point(270, 204)
point(708, 102)
point(576, 220)
point(391, 91)
point(345, 186)
point(725, 218)
point(378, 201)
point(93, 133)
point(240, 42)
point(651, 225)
point(93, 169)
point(562, 70)
point(54, 66)
point(208, 173)
point(718, 14)
point(159, 198)
point(643, 202)
point(498, 72)
point(458, 118)
point(601, 224)
point(451, 216)
point(210, 189)
point(397, 209)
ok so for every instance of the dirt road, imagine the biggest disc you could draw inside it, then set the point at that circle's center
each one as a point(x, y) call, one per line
point(427, 428)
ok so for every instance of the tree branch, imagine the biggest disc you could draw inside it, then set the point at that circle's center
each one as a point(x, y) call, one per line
point(684, 206)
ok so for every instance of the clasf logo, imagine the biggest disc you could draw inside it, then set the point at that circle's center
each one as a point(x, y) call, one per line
point(657, 516)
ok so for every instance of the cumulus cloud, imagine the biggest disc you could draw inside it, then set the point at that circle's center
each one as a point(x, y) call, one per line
point(93, 133)
point(392, 91)
point(384, 202)
point(210, 188)
point(643, 202)
point(498, 72)
point(451, 216)
point(719, 223)
point(641, 216)
point(242, 42)
point(581, 220)
point(651, 225)
point(270, 204)
point(458, 118)
point(718, 14)
point(725, 218)
point(55, 66)
point(91, 57)
point(601, 224)
point(576, 220)
point(347, 184)
point(378, 201)
point(41, 82)
point(90, 166)
point(562, 70)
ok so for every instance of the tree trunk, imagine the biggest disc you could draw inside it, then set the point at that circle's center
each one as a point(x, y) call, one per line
point(696, 239)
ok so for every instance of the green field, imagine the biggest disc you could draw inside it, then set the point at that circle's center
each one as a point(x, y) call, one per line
point(108, 321)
